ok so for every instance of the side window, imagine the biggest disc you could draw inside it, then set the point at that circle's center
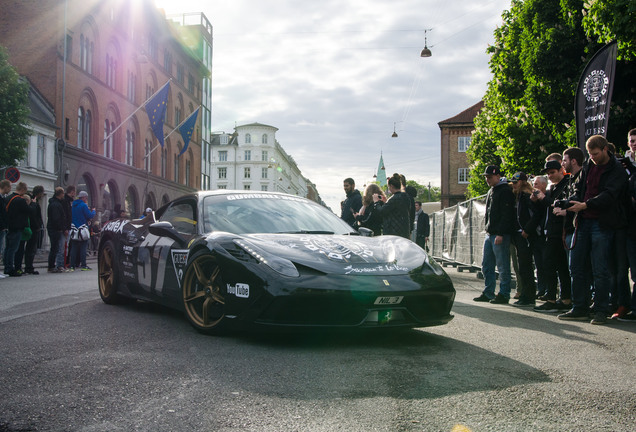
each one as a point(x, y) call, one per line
point(182, 216)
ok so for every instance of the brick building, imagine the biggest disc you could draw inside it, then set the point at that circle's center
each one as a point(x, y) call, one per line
point(456, 134)
point(96, 62)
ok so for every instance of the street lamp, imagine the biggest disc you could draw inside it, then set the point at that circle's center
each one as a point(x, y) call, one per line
point(426, 52)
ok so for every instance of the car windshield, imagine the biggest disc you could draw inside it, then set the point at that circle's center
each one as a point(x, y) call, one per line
point(269, 213)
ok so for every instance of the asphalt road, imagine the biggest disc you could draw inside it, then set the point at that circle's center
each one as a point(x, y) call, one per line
point(69, 362)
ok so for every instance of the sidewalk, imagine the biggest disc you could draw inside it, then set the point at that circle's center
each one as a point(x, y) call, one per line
point(42, 256)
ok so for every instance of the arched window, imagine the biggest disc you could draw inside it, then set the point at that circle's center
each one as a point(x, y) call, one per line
point(176, 168)
point(264, 139)
point(248, 139)
point(148, 155)
point(187, 172)
point(164, 162)
point(130, 147)
point(108, 140)
point(80, 124)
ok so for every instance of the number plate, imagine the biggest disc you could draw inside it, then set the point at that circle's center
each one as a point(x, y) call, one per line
point(388, 300)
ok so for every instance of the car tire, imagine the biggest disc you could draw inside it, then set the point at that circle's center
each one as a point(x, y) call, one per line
point(107, 274)
point(204, 294)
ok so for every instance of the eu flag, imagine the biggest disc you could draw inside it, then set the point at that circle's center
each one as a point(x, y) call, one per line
point(187, 128)
point(156, 110)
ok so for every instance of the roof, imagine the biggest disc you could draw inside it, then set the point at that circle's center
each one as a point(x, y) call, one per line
point(466, 116)
point(256, 125)
point(41, 111)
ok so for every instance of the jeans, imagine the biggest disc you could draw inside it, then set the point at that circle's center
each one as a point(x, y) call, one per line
point(499, 256)
point(56, 254)
point(13, 243)
point(526, 269)
point(78, 253)
point(595, 243)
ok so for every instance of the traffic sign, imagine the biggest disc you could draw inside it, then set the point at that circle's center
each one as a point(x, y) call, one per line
point(12, 174)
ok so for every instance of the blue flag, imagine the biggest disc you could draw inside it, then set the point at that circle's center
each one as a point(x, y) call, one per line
point(187, 128)
point(156, 110)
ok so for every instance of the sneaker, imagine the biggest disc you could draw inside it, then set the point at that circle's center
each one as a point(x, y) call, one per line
point(482, 298)
point(61, 270)
point(522, 302)
point(32, 272)
point(628, 317)
point(499, 299)
point(547, 307)
point(15, 273)
point(620, 312)
point(86, 268)
point(574, 316)
point(53, 270)
point(599, 318)
point(517, 295)
point(2, 275)
point(70, 269)
point(563, 306)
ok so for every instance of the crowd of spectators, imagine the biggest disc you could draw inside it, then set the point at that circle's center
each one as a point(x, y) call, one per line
point(571, 231)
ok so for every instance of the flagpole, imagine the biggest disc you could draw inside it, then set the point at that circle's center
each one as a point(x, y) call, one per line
point(135, 112)
point(177, 127)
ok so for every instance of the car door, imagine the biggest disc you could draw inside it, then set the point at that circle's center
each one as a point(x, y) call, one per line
point(161, 261)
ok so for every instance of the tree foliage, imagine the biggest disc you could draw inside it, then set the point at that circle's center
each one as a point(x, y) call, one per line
point(426, 193)
point(539, 52)
point(14, 113)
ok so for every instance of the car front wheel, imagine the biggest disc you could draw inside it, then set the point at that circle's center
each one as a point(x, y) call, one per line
point(108, 277)
point(204, 295)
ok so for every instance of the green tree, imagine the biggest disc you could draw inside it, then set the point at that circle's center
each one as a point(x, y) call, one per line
point(425, 193)
point(538, 56)
point(14, 113)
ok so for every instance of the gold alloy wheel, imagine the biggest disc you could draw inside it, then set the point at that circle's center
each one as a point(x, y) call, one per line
point(107, 288)
point(203, 298)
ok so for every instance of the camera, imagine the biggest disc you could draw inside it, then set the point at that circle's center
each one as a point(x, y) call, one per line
point(563, 204)
point(535, 192)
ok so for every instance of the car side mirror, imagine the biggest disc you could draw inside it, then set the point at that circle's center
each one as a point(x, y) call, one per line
point(165, 229)
point(365, 232)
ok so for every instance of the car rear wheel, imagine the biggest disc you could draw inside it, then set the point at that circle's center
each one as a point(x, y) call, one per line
point(108, 277)
point(204, 295)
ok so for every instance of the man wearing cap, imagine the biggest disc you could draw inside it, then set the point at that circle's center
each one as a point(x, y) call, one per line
point(499, 225)
point(555, 260)
point(601, 191)
point(81, 215)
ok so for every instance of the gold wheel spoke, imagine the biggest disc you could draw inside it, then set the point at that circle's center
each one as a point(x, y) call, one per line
point(108, 258)
point(217, 297)
point(195, 296)
point(200, 275)
point(206, 305)
point(215, 273)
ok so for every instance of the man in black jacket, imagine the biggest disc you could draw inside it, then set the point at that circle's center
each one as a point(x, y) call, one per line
point(352, 203)
point(5, 189)
point(598, 202)
point(500, 222)
point(57, 229)
point(37, 224)
point(423, 226)
point(17, 218)
point(555, 259)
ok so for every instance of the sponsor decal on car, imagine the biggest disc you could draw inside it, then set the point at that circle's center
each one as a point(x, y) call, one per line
point(179, 261)
point(116, 226)
point(240, 290)
point(376, 269)
point(337, 250)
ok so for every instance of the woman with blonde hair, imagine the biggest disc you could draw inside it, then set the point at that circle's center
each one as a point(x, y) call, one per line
point(367, 217)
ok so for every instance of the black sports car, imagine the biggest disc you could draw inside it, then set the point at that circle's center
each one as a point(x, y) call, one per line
point(233, 259)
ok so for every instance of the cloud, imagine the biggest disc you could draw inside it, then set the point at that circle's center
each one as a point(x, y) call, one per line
point(334, 76)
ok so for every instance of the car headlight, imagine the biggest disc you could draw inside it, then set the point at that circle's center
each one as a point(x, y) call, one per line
point(276, 263)
point(434, 265)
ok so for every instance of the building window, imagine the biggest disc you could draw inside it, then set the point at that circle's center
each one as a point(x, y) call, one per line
point(167, 61)
point(132, 86)
point(86, 54)
point(247, 172)
point(248, 155)
point(248, 139)
point(111, 71)
point(264, 156)
point(41, 152)
point(247, 187)
point(463, 175)
point(180, 74)
point(83, 128)
point(177, 115)
point(148, 155)
point(108, 139)
point(463, 143)
point(224, 139)
point(187, 173)
point(176, 168)
point(130, 146)
point(221, 187)
point(223, 156)
point(153, 47)
point(191, 84)
point(164, 162)
point(264, 188)
point(264, 139)
point(264, 172)
point(222, 173)
point(80, 129)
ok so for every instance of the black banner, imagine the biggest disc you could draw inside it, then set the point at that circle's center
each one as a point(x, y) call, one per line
point(594, 94)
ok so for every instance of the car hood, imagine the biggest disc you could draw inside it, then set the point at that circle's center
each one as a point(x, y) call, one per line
point(344, 254)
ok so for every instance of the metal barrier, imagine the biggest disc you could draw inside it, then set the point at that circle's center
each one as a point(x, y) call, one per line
point(458, 234)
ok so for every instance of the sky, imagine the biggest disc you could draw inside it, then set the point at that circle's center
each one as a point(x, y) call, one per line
point(336, 78)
